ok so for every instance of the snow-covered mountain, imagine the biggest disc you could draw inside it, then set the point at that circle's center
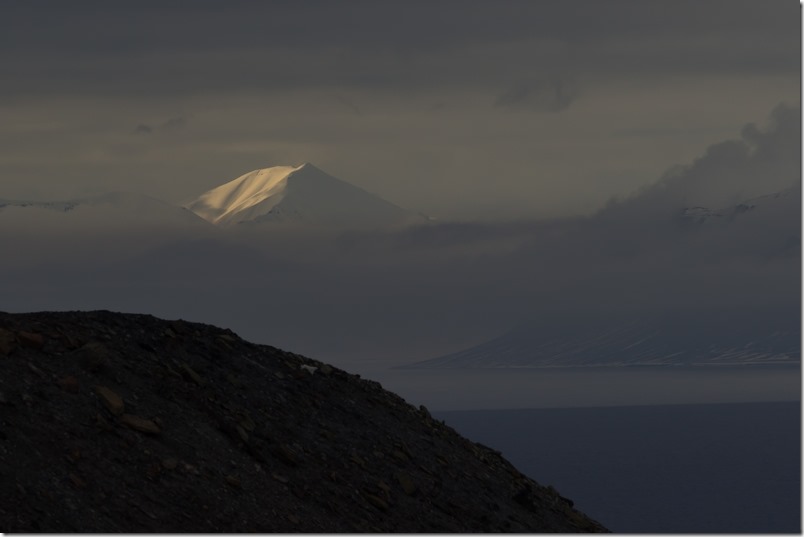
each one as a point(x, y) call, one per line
point(691, 337)
point(766, 227)
point(297, 194)
point(715, 287)
point(782, 204)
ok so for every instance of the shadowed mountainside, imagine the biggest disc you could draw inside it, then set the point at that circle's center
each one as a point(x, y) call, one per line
point(116, 422)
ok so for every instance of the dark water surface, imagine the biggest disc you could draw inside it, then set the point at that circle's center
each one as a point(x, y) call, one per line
point(696, 468)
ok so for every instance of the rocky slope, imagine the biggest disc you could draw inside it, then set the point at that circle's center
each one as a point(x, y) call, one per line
point(127, 423)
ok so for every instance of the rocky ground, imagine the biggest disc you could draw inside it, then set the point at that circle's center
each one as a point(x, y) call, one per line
point(116, 422)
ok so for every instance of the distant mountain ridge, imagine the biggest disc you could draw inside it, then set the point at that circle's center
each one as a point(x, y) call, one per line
point(102, 209)
point(746, 328)
point(693, 337)
point(769, 203)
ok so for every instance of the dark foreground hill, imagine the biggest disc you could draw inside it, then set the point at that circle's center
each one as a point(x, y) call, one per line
point(127, 423)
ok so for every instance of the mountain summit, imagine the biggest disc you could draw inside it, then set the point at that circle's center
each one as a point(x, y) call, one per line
point(301, 194)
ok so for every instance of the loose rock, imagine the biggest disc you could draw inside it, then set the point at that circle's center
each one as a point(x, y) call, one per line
point(286, 455)
point(31, 340)
point(7, 341)
point(376, 501)
point(406, 483)
point(140, 424)
point(77, 481)
point(111, 400)
point(192, 375)
point(69, 384)
point(93, 355)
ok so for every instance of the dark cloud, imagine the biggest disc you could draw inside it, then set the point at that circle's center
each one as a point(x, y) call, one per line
point(347, 103)
point(761, 161)
point(147, 25)
point(553, 95)
point(174, 123)
point(169, 125)
point(156, 48)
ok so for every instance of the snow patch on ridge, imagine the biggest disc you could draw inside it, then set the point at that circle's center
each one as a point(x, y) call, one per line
point(249, 196)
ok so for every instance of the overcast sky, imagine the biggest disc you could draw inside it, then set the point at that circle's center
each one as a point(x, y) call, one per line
point(456, 109)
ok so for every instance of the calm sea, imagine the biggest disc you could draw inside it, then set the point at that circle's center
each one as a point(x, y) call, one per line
point(725, 468)
point(642, 449)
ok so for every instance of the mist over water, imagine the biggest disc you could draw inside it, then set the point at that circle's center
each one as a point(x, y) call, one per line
point(471, 389)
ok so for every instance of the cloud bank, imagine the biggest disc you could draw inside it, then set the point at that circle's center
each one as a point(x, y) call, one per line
point(429, 290)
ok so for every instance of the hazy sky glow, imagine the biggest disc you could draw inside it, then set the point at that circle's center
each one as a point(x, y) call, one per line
point(457, 109)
